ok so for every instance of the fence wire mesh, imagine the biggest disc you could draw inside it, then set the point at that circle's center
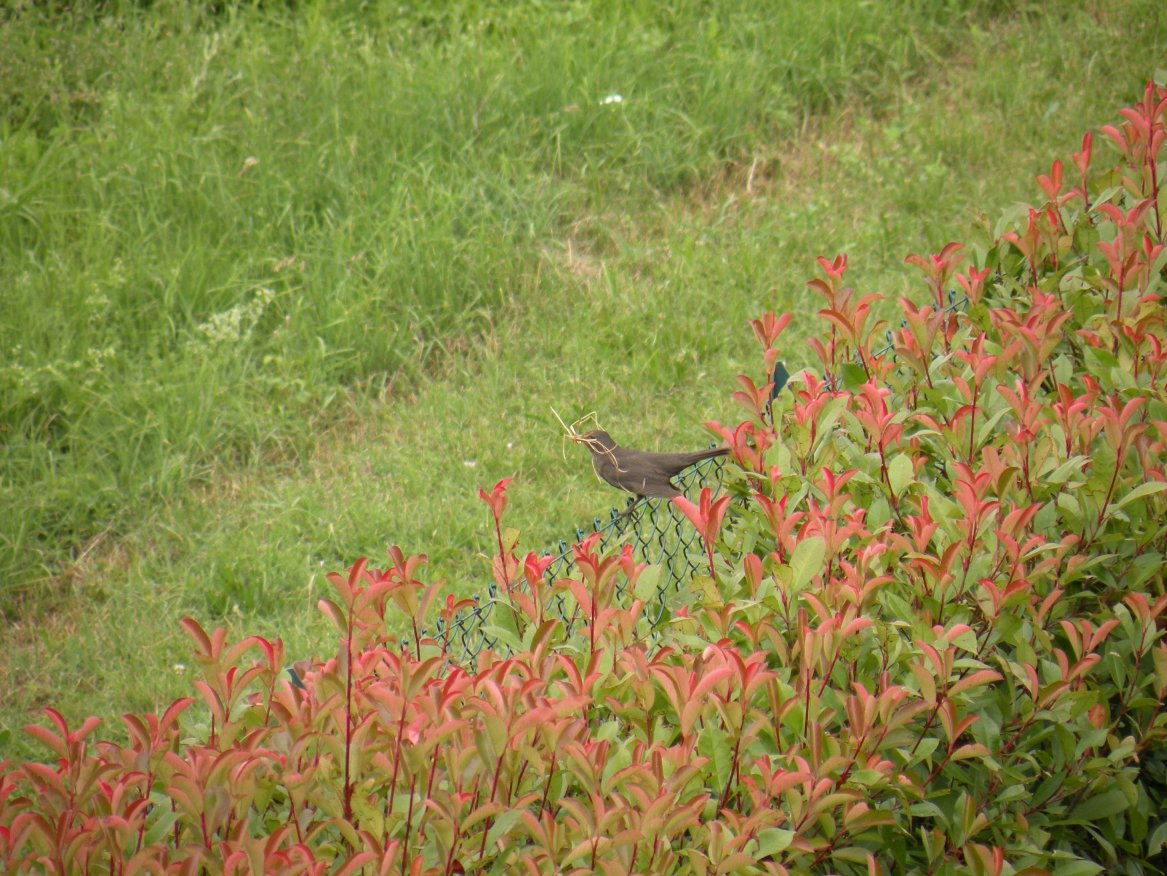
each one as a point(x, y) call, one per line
point(659, 534)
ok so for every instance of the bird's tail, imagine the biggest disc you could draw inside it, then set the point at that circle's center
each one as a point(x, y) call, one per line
point(684, 460)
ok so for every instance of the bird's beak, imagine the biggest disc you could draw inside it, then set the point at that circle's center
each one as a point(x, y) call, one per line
point(591, 443)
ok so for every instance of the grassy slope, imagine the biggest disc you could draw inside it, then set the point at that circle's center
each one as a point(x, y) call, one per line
point(611, 254)
point(218, 229)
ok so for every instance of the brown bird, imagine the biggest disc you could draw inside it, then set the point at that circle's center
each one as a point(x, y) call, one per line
point(640, 473)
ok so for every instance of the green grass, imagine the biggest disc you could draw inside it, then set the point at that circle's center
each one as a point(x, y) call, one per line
point(218, 229)
point(281, 288)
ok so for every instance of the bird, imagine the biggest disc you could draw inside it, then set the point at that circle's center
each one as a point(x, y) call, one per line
point(638, 472)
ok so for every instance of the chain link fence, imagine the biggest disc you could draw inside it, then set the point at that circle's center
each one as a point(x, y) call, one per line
point(659, 534)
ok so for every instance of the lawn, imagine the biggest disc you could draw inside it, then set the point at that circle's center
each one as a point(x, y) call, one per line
point(282, 287)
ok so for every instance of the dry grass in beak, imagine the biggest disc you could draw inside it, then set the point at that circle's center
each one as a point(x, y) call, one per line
point(571, 433)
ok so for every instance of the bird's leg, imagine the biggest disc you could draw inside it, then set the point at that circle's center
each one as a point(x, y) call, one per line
point(625, 516)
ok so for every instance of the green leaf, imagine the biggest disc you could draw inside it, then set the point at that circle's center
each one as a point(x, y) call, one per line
point(924, 749)
point(807, 561)
point(1159, 664)
point(853, 375)
point(1147, 489)
point(1104, 805)
point(1077, 868)
point(1068, 504)
point(371, 816)
point(1013, 792)
point(878, 513)
point(829, 414)
point(1158, 839)
point(925, 810)
point(710, 594)
point(1099, 361)
point(647, 584)
point(161, 825)
point(502, 826)
point(1104, 196)
point(900, 473)
point(772, 840)
point(987, 427)
point(1061, 474)
point(968, 641)
point(854, 854)
point(713, 743)
point(609, 731)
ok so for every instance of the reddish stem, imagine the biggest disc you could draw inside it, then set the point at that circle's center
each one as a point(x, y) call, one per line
point(348, 717)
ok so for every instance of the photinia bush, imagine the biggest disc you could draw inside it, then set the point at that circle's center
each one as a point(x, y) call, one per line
point(929, 640)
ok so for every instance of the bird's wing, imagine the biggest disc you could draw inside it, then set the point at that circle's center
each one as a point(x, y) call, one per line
point(638, 472)
point(664, 466)
point(655, 484)
point(675, 462)
point(650, 474)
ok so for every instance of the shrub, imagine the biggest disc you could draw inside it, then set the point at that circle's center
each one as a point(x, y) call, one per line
point(930, 639)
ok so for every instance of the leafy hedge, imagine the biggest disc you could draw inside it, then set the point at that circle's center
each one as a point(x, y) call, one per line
point(930, 639)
